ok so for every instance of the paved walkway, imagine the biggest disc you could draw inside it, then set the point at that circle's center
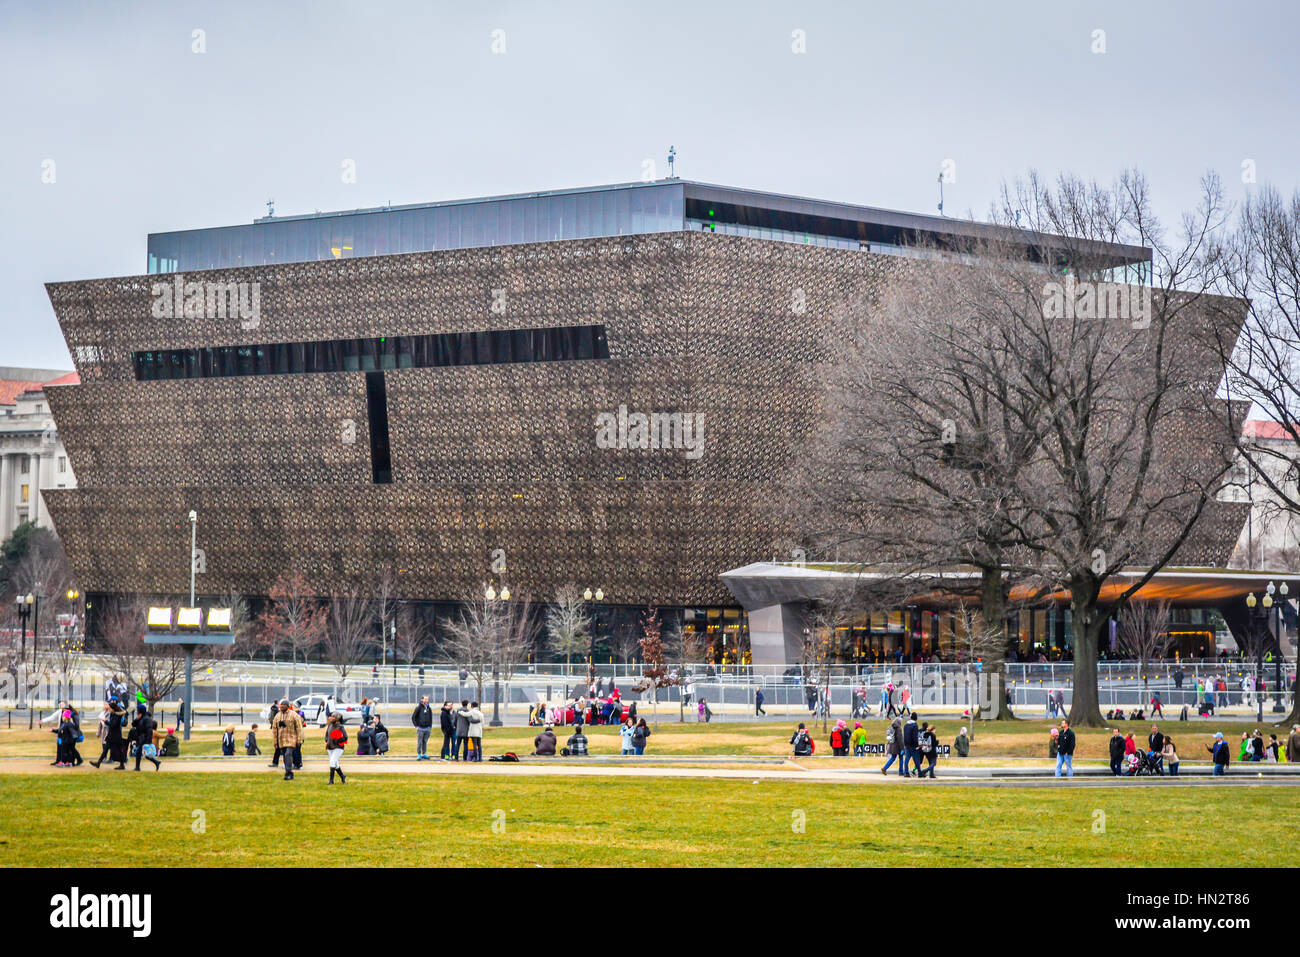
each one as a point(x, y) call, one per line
point(1277, 776)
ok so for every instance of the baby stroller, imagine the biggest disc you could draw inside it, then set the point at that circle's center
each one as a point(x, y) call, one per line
point(1148, 762)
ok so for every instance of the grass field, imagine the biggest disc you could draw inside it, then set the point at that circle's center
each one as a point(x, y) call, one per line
point(150, 819)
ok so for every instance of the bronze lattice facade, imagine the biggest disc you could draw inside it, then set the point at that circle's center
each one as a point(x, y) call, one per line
point(483, 457)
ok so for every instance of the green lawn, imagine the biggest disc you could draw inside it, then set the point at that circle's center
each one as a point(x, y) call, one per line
point(148, 819)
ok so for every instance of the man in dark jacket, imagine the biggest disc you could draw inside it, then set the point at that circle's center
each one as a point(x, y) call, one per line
point(461, 741)
point(422, 720)
point(801, 742)
point(1117, 752)
point(544, 743)
point(1065, 750)
point(142, 735)
point(1219, 749)
point(447, 722)
point(911, 746)
point(1156, 740)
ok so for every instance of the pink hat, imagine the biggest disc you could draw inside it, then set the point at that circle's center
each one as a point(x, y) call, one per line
point(67, 714)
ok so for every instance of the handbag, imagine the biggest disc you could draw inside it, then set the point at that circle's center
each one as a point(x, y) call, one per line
point(150, 750)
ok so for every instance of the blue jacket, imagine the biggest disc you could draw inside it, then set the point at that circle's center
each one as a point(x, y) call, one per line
point(911, 736)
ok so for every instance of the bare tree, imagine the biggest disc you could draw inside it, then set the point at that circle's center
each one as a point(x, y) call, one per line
point(1143, 632)
point(568, 625)
point(824, 642)
point(150, 670)
point(489, 636)
point(1260, 274)
point(413, 634)
point(348, 630)
point(294, 618)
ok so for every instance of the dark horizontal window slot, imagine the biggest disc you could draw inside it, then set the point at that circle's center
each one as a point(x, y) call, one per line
point(558, 344)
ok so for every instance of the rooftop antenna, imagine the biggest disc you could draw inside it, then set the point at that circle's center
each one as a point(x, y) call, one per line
point(672, 161)
point(941, 192)
point(270, 208)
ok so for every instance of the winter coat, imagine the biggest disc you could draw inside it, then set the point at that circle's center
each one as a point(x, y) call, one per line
point(1065, 742)
point(896, 745)
point(1293, 746)
point(475, 723)
point(422, 716)
point(286, 729)
point(911, 735)
point(962, 746)
point(462, 723)
point(1117, 747)
point(544, 743)
point(447, 722)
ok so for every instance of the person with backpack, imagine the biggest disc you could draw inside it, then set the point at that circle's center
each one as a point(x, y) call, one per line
point(929, 746)
point(801, 742)
point(336, 741)
point(840, 739)
point(1220, 753)
point(894, 745)
point(640, 736)
point(142, 729)
point(1065, 750)
point(422, 721)
point(911, 745)
point(250, 742)
point(228, 741)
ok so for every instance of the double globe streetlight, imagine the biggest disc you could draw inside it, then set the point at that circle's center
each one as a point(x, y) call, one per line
point(1259, 621)
point(492, 595)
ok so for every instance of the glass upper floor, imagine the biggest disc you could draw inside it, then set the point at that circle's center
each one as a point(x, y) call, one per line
point(603, 211)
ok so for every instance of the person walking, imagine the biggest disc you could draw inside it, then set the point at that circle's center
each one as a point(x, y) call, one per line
point(142, 730)
point(111, 720)
point(1170, 757)
point(1117, 749)
point(1220, 753)
point(228, 741)
point(460, 744)
point(758, 703)
point(929, 746)
point(894, 746)
point(1155, 705)
point(250, 742)
point(422, 720)
point(1065, 750)
point(447, 722)
point(1293, 744)
point(911, 746)
point(287, 732)
point(336, 742)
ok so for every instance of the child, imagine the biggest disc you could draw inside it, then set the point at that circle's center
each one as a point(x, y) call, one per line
point(250, 742)
point(336, 741)
point(228, 741)
point(859, 739)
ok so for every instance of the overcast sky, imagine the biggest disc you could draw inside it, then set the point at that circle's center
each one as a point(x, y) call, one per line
point(147, 135)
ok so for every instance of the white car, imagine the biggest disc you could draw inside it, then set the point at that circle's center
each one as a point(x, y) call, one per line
point(318, 707)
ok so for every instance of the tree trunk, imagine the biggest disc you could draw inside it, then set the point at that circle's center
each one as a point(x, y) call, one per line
point(994, 609)
point(1085, 627)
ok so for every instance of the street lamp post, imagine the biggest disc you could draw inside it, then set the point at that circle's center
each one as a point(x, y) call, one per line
point(1278, 707)
point(26, 604)
point(593, 608)
point(491, 595)
point(1258, 620)
point(189, 649)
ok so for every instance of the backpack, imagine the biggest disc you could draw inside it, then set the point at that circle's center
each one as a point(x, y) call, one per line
point(836, 739)
point(927, 744)
point(891, 735)
point(802, 742)
point(508, 756)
